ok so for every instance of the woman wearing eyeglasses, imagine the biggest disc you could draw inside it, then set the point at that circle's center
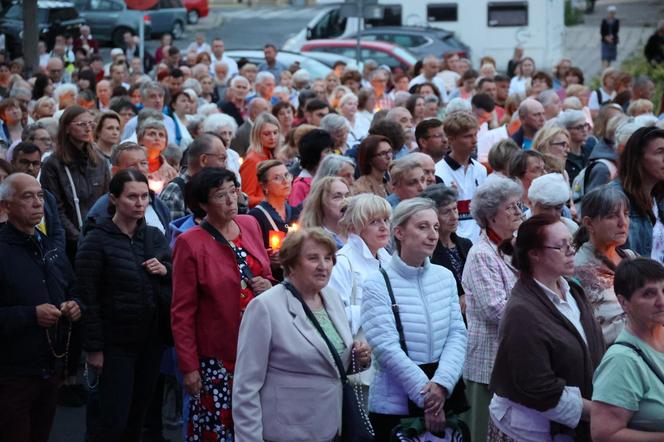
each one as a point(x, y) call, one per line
point(219, 266)
point(374, 158)
point(274, 214)
point(580, 142)
point(550, 343)
point(487, 279)
point(76, 173)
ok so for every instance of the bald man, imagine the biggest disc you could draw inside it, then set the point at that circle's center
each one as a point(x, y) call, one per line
point(36, 312)
point(532, 116)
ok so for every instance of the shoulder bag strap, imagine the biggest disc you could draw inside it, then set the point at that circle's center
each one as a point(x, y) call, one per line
point(314, 321)
point(76, 200)
point(268, 216)
point(645, 358)
point(246, 273)
point(395, 311)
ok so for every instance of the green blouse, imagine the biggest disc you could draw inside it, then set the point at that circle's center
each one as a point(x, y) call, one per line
point(330, 330)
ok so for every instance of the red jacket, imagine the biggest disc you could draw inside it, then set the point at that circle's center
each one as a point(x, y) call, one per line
point(205, 312)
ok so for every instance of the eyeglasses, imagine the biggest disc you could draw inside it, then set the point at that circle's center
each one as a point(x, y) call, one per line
point(567, 248)
point(384, 154)
point(225, 196)
point(28, 163)
point(282, 178)
point(579, 127)
point(84, 124)
point(562, 144)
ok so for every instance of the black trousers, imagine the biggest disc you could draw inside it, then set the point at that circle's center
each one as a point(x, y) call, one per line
point(125, 390)
point(27, 408)
point(383, 425)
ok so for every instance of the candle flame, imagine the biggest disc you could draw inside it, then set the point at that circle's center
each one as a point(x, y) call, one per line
point(294, 227)
point(155, 185)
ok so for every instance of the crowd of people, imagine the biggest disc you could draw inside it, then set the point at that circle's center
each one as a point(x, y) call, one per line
point(450, 241)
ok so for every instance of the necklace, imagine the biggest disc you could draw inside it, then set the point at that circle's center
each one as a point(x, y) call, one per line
point(65, 353)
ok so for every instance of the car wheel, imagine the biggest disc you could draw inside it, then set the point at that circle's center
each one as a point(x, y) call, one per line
point(192, 17)
point(118, 37)
point(178, 30)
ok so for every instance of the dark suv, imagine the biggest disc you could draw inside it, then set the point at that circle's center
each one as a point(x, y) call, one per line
point(53, 18)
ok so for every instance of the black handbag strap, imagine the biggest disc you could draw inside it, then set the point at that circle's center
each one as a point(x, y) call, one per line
point(645, 358)
point(245, 271)
point(395, 311)
point(314, 321)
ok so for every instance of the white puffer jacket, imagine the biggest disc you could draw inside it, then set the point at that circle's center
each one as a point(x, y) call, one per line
point(433, 327)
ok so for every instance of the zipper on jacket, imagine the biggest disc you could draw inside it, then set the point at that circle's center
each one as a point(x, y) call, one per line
point(427, 315)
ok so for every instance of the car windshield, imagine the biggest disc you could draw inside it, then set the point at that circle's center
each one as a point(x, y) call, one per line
point(404, 54)
point(16, 13)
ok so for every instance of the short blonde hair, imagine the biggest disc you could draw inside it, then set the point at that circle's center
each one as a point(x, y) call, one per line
point(401, 167)
point(640, 107)
point(361, 209)
point(405, 210)
point(291, 248)
point(457, 123)
point(541, 144)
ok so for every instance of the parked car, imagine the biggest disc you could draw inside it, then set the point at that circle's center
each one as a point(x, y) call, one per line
point(167, 16)
point(388, 54)
point(419, 40)
point(53, 18)
point(110, 19)
point(329, 59)
point(196, 9)
point(315, 68)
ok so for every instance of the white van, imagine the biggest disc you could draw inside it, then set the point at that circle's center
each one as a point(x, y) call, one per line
point(489, 27)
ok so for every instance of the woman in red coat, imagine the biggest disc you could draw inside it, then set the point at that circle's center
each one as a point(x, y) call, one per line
point(218, 267)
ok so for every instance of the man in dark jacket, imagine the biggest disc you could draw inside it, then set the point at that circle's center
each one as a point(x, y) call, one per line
point(130, 155)
point(26, 158)
point(654, 50)
point(36, 314)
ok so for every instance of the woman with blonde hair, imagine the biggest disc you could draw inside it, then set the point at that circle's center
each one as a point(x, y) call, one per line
point(324, 207)
point(553, 143)
point(263, 140)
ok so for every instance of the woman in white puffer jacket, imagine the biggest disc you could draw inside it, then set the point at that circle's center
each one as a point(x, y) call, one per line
point(430, 314)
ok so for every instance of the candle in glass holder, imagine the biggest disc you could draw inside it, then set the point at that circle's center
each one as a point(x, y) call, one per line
point(275, 238)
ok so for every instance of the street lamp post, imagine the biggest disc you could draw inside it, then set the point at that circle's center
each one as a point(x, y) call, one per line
point(30, 35)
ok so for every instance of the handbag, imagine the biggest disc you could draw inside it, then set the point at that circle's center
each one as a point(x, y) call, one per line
point(162, 294)
point(355, 424)
point(456, 402)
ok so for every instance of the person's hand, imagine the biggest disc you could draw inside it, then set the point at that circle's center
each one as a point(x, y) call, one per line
point(462, 303)
point(274, 257)
point(47, 315)
point(192, 383)
point(95, 361)
point(362, 354)
point(260, 284)
point(434, 398)
point(71, 310)
point(434, 423)
point(154, 267)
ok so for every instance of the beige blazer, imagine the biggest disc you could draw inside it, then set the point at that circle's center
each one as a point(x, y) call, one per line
point(286, 385)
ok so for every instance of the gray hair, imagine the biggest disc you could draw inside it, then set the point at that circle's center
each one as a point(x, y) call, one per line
point(400, 167)
point(550, 190)
point(458, 105)
point(148, 86)
point(146, 113)
point(194, 85)
point(441, 194)
point(264, 75)
point(490, 196)
point(405, 210)
point(215, 122)
point(333, 122)
point(237, 79)
point(63, 89)
point(625, 130)
point(18, 91)
point(331, 164)
point(547, 97)
point(30, 131)
point(150, 123)
point(119, 149)
point(207, 109)
point(7, 189)
point(570, 117)
point(599, 203)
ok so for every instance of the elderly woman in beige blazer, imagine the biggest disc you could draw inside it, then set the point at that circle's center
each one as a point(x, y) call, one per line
point(287, 386)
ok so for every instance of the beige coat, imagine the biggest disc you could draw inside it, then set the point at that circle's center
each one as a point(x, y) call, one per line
point(286, 385)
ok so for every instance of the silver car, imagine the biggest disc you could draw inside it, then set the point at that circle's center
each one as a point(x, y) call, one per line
point(110, 19)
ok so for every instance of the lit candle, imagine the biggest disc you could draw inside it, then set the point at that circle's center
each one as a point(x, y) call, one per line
point(275, 237)
point(293, 227)
point(155, 185)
